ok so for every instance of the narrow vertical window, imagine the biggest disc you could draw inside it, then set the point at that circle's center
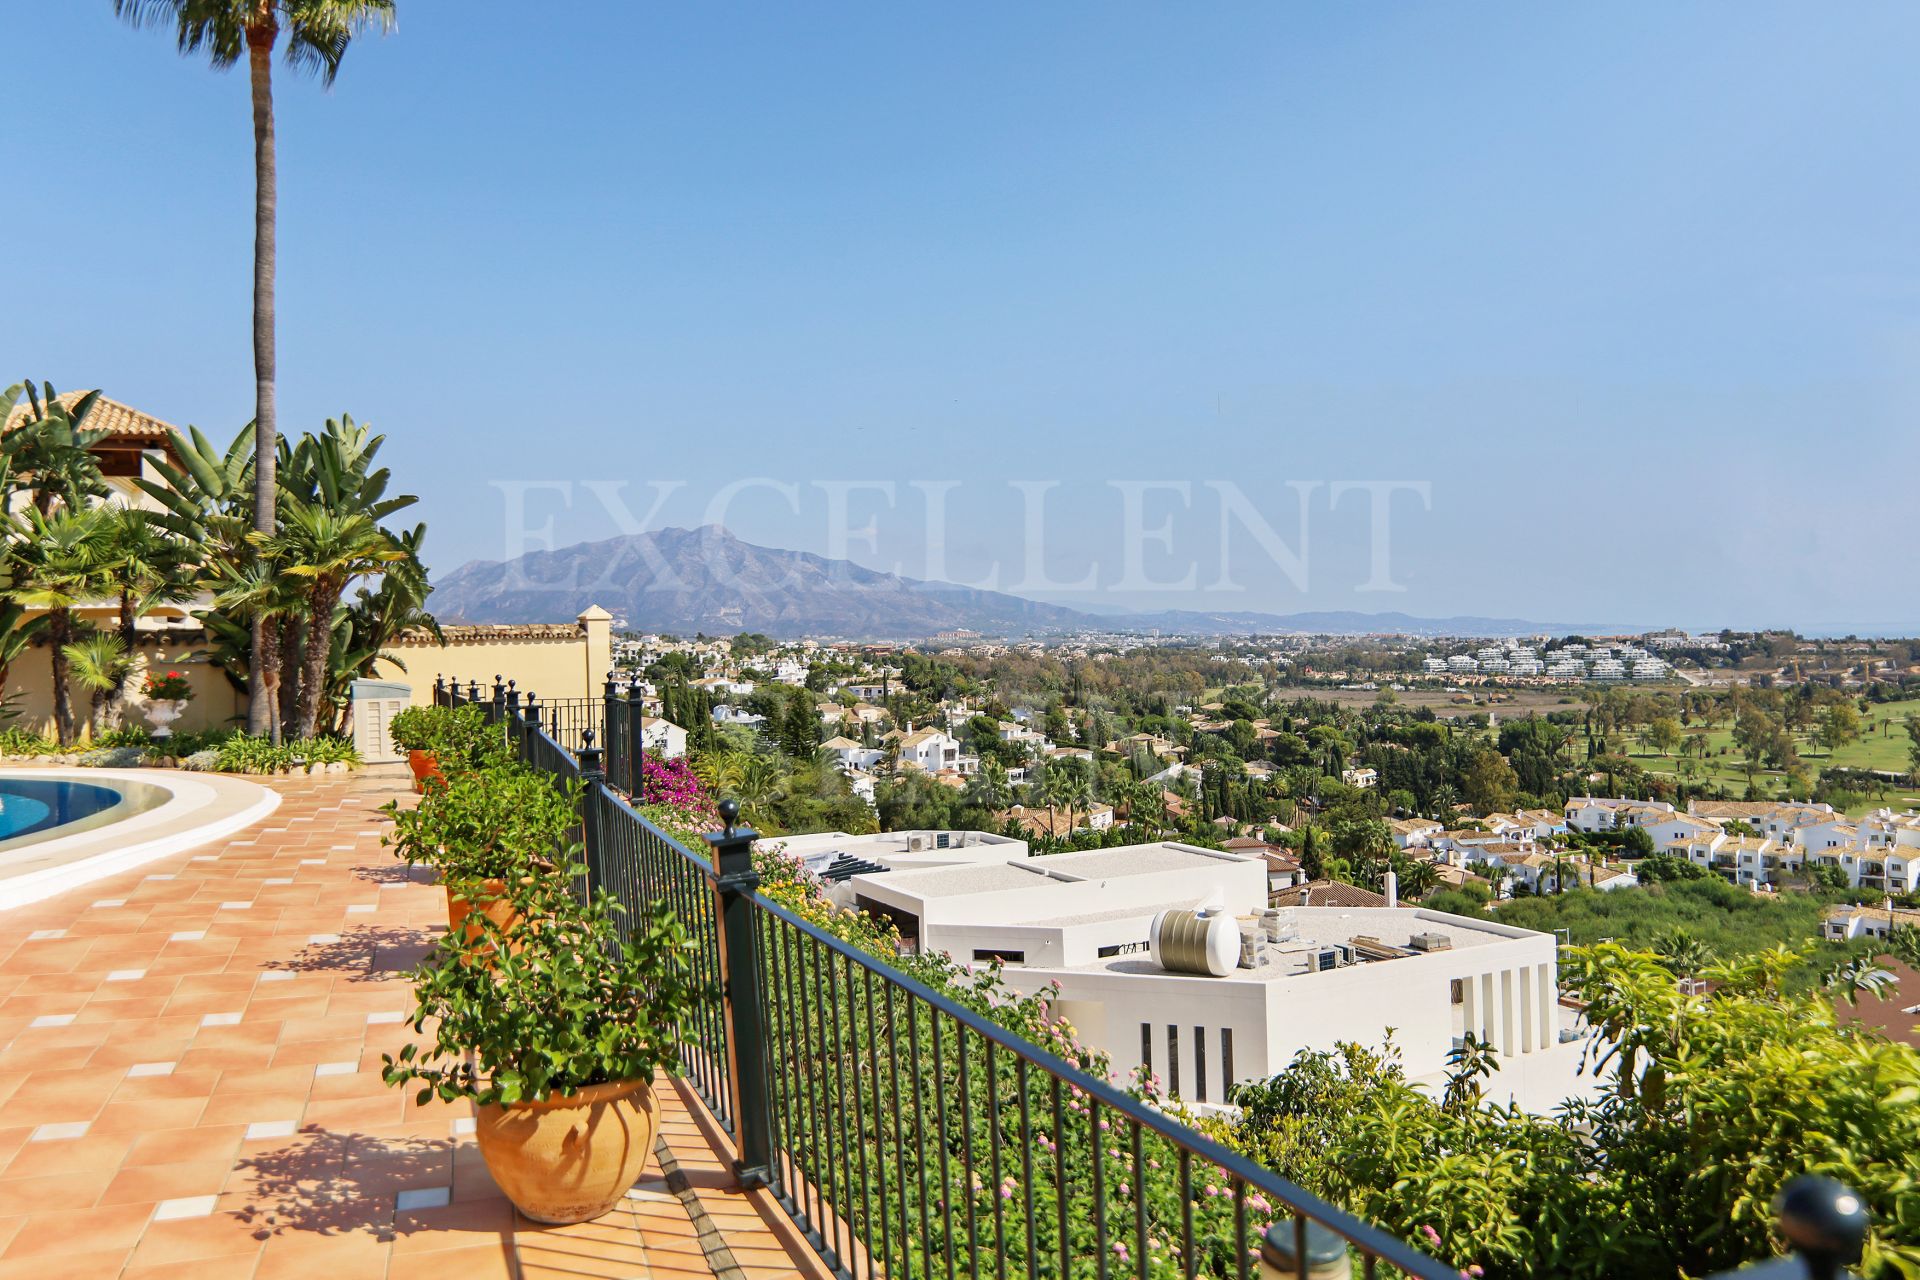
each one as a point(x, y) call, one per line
point(1226, 1064)
point(1200, 1063)
point(1173, 1059)
point(1146, 1047)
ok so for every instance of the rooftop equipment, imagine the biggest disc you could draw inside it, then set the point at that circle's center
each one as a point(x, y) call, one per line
point(1195, 942)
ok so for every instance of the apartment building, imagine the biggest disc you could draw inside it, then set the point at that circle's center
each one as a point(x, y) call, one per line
point(1602, 813)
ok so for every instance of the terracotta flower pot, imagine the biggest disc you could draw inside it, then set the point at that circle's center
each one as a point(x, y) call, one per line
point(424, 765)
point(570, 1159)
point(492, 903)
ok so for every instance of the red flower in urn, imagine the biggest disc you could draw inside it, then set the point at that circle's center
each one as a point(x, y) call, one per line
point(171, 687)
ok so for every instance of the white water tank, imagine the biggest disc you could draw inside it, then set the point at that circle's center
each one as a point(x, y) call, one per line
point(1195, 942)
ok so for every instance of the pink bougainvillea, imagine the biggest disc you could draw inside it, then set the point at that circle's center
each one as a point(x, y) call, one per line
point(674, 798)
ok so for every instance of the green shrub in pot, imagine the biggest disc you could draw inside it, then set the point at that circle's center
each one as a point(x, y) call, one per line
point(486, 824)
point(458, 738)
point(556, 1042)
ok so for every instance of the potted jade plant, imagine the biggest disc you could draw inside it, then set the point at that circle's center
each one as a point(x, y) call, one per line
point(556, 1042)
point(485, 831)
point(166, 696)
point(445, 740)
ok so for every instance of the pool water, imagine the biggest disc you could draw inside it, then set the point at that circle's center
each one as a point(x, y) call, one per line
point(34, 809)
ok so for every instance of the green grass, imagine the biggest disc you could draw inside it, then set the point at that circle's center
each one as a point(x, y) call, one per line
point(1882, 745)
point(1734, 922)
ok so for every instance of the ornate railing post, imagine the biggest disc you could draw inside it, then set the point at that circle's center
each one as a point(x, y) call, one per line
point(497, 707)
point(613, 736)
point(1824, 1222)
point(636, 738)
point(1288, 1241)
point(440, 691)
point(473, 691)
point(592, 775)
point(529, 725)
point(740, 995)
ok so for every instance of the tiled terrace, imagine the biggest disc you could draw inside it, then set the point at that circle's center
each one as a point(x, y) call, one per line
point(190, 1086)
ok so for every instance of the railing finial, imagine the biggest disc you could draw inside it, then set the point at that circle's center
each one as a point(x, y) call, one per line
point(1825, 1220)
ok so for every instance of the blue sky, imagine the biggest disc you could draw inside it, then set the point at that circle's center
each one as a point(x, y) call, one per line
point(1634, 289)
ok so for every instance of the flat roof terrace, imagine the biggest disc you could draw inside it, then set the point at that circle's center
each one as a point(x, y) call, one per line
point(1060, 869)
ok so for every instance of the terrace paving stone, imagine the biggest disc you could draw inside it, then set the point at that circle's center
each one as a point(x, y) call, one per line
point(163, 1183)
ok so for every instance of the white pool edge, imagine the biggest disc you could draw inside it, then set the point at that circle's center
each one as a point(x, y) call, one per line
point(38, 886)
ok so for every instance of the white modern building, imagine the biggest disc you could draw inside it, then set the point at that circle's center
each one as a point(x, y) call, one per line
point(1295, 978)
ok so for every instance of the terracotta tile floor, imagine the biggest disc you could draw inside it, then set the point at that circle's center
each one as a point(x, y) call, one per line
point(190, 1086)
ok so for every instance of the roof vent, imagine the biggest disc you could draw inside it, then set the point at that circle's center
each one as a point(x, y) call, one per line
point(1430, 942)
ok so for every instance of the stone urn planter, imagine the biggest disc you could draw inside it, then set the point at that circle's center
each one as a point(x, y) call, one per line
point(570, 1159)
point(162, 712)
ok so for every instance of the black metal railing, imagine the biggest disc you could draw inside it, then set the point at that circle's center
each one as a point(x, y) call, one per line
point(908, 1135)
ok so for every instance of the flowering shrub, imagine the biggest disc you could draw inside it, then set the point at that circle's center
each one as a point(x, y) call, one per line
point(672, 782)
point(171, 687)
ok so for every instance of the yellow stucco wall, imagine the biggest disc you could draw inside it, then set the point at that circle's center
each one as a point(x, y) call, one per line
point(551, 661)
point(216, 703)
point(568, 660)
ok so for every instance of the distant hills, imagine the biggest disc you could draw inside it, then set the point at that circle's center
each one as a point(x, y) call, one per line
point(1349, 622)
point(687, 580)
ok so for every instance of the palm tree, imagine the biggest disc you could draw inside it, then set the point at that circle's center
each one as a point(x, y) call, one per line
point(1683, 954)
point(17, 632)
point(62, 568)
point(145, 563)
point(988, 789)
point(318, 33)
point(759, 782)
point(100, 663)
point(1062, 787)
point(48, 450)
point(327, 551)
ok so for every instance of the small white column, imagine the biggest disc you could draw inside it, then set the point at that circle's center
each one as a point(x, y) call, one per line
point(1469, 999)
point(1506, 1013)
point(1549, 996)
point(1527, 1008)
point(1486, 1007)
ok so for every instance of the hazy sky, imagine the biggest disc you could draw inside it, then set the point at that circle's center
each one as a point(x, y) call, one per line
point(1635, 289)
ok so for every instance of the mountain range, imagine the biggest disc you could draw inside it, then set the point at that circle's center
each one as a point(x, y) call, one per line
point(687, 580)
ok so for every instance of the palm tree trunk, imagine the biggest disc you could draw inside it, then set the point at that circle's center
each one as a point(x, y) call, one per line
point(127, 641)
point(313, 685)
point(59, 635)
point(289, 670)
point(260, 40)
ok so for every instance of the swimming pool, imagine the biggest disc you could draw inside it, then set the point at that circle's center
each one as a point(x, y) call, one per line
point(62, 828)
point(36, 809)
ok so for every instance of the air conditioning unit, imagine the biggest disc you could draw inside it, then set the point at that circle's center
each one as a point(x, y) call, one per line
point(1337, 956)
point(916, 844)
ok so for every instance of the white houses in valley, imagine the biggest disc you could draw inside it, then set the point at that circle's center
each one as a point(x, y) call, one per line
point(662, 737)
